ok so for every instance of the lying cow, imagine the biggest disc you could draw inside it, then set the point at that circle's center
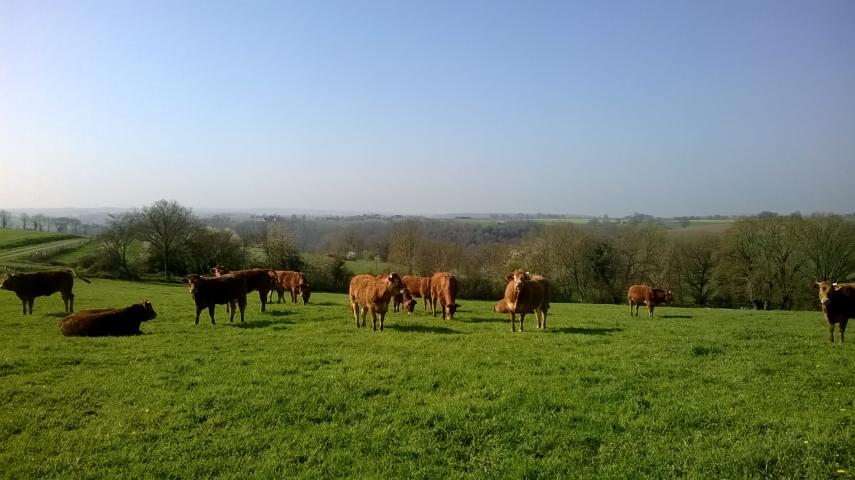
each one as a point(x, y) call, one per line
point(525, 293)
point(28, 286)
point(837, 301)
point(419, 287)
point(443, 290)
point(403, 301)
point(107, 321)
point(370, 293)
point(642, 294)
point(261, 279)
point(294, 282)
point(207, 292)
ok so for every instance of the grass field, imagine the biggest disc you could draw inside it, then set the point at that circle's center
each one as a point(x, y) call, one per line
point(299, 391)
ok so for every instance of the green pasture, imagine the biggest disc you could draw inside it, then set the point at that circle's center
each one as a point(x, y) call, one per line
point(300, 392)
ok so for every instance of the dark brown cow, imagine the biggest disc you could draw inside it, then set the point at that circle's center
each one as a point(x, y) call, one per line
point(837, 301)
point(443, 289)
point(294, 282)
point(419, 287)
point(370, 293)
point(207, 292)
point(261, 279)
point(28, 286)
point(403, 301)
point(642, 294)
point(526, 293)
point(107, 321)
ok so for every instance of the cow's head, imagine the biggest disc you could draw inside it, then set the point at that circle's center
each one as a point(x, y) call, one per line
point(150, 313)
point(452, 309)
point(669, 296)
point(825, 290)
point(191, 281)
point(409, 301)
point(219, 270)
point(395, 283)
point(305, 291)
point(3, 279)
point(519, 277)
point(9, 282)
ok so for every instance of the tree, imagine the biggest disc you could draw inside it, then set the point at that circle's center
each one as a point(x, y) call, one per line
point(25, 220)
point(827, 244)
point(404, 242)
point(693, 256)
point(280, 248)
point(121, 231)
point(38, 222)
point(5, 218)
point(167, 226)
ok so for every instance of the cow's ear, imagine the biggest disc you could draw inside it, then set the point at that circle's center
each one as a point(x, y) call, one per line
point(185, 280)
point(816, 285)
point(509, 277)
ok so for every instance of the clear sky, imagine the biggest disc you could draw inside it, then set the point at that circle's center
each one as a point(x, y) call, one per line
point(604, 107)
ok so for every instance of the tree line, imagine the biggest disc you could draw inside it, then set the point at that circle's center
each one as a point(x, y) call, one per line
point(766, 261)
point(44, 223)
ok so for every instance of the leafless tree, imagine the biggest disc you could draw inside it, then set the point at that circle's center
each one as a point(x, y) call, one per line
point(5, 218)
point(167, 226)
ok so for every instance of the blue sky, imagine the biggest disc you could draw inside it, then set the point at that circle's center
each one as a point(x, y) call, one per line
point(666, 108)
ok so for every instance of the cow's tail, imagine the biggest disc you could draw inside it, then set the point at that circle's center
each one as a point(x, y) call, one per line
point(74, 272)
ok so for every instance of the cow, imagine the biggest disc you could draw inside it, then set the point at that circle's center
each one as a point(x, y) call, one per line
point(419, 287)
point(207, 292)
point(403, 301)
point(443, 289)
point(642, 294)
point(294, 282)
point(525, 293)
point(28, 286)
point(837, 301)
point(261, 279)
point(370, 293)
point(107, 321)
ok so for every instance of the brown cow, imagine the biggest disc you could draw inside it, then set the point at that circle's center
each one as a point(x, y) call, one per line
point(526, 293)
point(261, 279)
point(208, 292)
point(649, 296)
point(443, 289)
point(294, 282)
point(370, 293)
point(403, 301)
point(419, 287)
point(107, 321)
point(837, 301)
point(28, 286)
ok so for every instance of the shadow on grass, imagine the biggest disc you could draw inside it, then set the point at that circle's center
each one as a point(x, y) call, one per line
point(279, 313)
point(252, 324)
point(57, 314)
point(495, 319)
point(421, 329)
point(584, 331)
point(326, 304)
point(675, 316)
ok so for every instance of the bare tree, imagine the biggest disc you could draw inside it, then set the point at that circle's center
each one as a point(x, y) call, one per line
point(167, 226)
point(38, 222)
point(25, 220)
point(5, 218)
point(694, 259)
point(827, 244)
point(116, 240)
point(404, 243)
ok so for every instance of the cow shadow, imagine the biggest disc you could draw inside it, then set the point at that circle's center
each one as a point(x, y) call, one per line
point(584, 331)
point(422, 329)
point(251, 325)
point(675, 316)
point(279, 313)
point(326, 304)
point(487, 320)
point(57, 314)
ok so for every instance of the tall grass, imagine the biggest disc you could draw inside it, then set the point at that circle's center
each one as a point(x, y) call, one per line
point(299, 391)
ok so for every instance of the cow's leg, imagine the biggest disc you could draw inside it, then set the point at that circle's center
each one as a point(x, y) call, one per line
point(831, 331)
point(373, 320)
point(355, 310)
point(293, 295)
point(242, 307)
point(262, 296)
point(198, 311)
point(650, 308)
point(211, 313)
point(24, 305)
point(522, 319)
point(30, 303)
point(231, 310)
point(70, 302)
point(382, 317)
point(843, 328)
point(513, 322)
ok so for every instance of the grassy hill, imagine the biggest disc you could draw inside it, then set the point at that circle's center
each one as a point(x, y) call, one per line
point(300, 392)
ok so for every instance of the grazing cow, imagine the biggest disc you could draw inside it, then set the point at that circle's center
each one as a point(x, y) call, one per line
point(28, 286)
point(649, 296)
point(838, 304)
point(208, 292)
point(403, 301)
point(443, 289)
point(107, 321)
point(370, 293)
point(419, 287)
point(526, 293)
point(260, 279)
point(294, 282)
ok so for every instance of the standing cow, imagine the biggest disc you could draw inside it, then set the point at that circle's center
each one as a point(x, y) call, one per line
point(261, 279)
point(419, 287)
point(370, 293)
point(642, 294)
point(28, 286)
point(837, 301)
point(107, 321)
point(207, 292)
point(443, 289)
point(294, 282)
point(525, 293)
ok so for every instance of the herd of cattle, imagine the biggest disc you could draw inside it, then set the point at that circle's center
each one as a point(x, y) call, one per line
point(525, 293)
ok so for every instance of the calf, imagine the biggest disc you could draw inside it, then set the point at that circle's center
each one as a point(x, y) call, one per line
point(525, 294)
point(649, 296)
point(28, 286)
point(443, 289)
point(837, 301)
point(370, 293)
point(419, 287)
point(294, 282)
point(107, 321)
point(403, 301)
point(207, 292)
